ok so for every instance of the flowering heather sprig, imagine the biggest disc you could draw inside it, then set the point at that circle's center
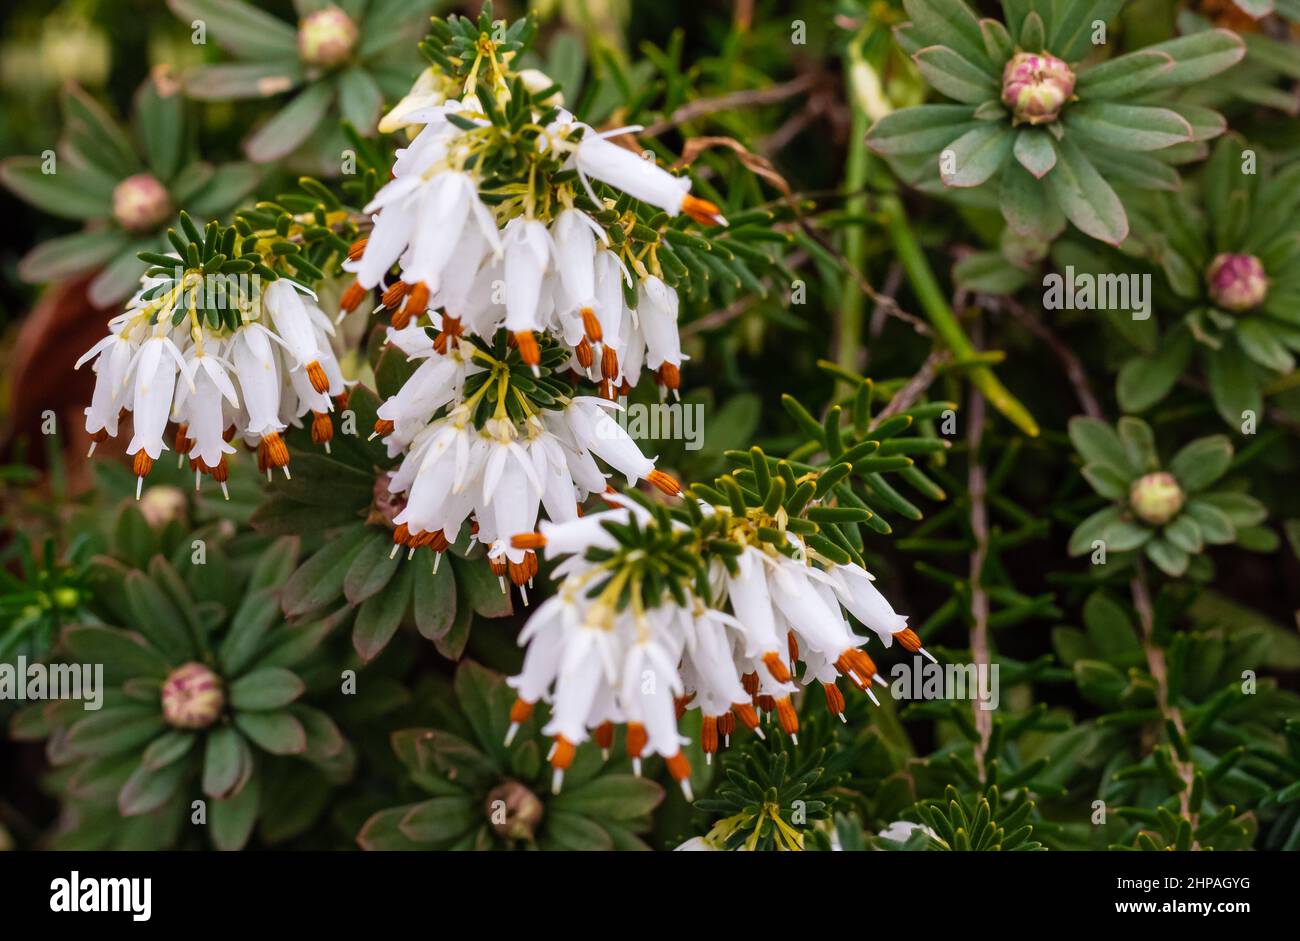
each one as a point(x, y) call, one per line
point(223, 341)
point(713, 605)
point(493, 218)
point(1038, 119)
point(491, 439)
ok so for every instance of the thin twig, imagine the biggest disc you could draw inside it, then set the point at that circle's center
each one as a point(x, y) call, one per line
point(749, 98)
point(1155, 655)
point(976, 487)
point(1074, 370)
point(914, 388)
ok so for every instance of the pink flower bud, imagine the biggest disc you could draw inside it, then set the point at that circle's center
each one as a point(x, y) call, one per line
point(1035, 86)
point(140, 202)
point(1237, 282)
point(1156, 498)
point(326, 37)
point(192, 697)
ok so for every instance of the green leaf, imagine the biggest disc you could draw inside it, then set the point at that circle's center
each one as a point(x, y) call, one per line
point(238, 80)
point(1086, 198)
point(954, 76)
point(292, 125)
point(440, 820)
point(1216, 527)
point(1260, 341)
point(360, 99)
point(160, 124)
point(372, 569)
point(1168, 558)
point(948, 23)
point(227, 185)
point(265, 689)
point(168, 747)
point(481, 588)
point(1033, 34)
point(1072, 28)
point(613, 797)
point(1034, 150)
point(148, 788)
point(120, 277)
point(1127, 127)
point(381, 615)
point(988, 273)
point(1184, 534)
point(227, 762)
point(1242, 509)
point(1098, 443)
point(158, 619)
point(240, 28)
point(390, 22)
point(319, 580)
point(1027, 205)
point(94, 136)
point(1202, 462)
point(1197, 57)
point(1139, 444)
point(1124, 75)
point(277, 732)
point(1107, 481)
point(434, 599)
point(925, 129)
point(60, 193)
point(231, 820)
point(112, 731)
point(70, 255)
point(1144, 381)
point(1109, 627)
point(124, 655)
point(573, 832)
point(976, 156)
point(1234, 384)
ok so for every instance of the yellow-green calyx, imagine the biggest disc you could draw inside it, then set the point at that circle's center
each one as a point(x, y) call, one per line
point(1156, 498)
point(326, 37)
point(141, 203)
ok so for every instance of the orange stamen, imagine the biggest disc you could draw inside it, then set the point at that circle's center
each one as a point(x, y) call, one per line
point(528, 349)
point(702, 211)
point(664, 482)
point(591, 325)
point(322, 429)
point(316, 373)
point(521, 711)
point(786, 715)
point(394, 293)
point(352, 297)
point(636, 739)
point(774, 666)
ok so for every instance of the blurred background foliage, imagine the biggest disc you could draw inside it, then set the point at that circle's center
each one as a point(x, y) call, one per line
point(789, 81)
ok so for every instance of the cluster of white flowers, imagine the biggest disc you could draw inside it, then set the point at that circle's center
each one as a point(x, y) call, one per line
point(511, 266)
point(599, 660)
point(502, 474)
point(214, 383)
point(468, 270)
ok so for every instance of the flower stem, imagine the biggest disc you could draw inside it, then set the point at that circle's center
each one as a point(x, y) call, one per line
point(940, 314)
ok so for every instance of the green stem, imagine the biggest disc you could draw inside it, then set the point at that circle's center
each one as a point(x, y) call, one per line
point(941, 316)
point(865, 98)
point(848, 340)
